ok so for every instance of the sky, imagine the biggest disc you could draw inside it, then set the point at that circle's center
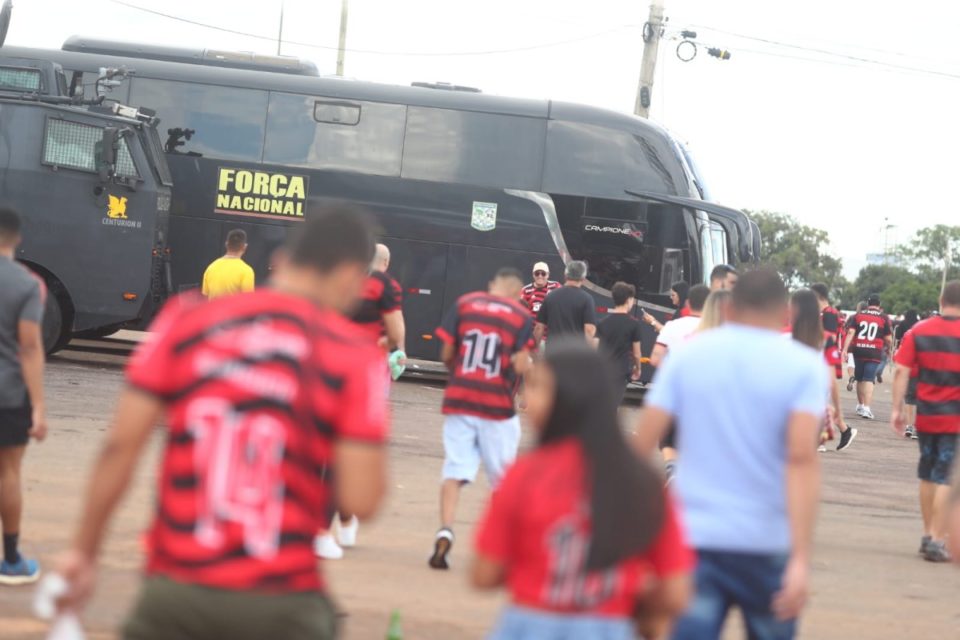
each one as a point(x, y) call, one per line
point(861, 150)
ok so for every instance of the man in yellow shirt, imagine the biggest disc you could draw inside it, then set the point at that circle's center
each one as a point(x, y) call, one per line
point(230, 274)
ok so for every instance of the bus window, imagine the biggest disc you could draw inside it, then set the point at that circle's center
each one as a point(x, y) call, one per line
point(306, 131)
point(708, 258)
point(18, 79)
point(719, 241)
point(73, 145)
point(489, 149)
point(207, 120)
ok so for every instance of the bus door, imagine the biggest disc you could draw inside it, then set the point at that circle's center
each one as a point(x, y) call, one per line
point(421, 270)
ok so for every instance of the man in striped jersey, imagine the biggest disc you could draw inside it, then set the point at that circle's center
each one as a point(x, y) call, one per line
point(487, 339)
point(275, 410)
point(932, 351)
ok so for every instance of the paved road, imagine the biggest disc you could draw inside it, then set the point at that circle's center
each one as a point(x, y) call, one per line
point(869, 582)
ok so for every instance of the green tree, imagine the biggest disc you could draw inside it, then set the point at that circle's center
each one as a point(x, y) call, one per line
point(797, 251)
point(930, 247)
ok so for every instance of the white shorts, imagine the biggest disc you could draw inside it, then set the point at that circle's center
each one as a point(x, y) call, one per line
point(469, 440)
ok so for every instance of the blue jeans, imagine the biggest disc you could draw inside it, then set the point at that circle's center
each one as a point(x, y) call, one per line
point(522, 623)
point(744, 580)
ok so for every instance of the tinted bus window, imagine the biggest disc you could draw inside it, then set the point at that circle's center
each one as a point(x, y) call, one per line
point(306, 131)
point(13, 79)
point(73, 145)
point(445, 145)
point(206, 120)
point(600, 161)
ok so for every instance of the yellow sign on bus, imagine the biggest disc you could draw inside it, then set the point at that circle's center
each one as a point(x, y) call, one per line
point(261, 194)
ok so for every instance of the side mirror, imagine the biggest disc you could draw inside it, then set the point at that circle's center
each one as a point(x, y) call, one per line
point(107, 153)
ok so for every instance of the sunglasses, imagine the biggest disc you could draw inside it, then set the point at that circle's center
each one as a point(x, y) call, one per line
point(540, 273)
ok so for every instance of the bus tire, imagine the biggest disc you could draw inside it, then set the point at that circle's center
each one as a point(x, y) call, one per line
point(56, 332)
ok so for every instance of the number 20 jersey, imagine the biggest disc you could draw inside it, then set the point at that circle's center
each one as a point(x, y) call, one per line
point(486, 332)
point(871, 328)
point(258, 388)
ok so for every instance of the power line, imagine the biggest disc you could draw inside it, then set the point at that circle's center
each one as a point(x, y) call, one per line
point(828, 52)
point(272, 39)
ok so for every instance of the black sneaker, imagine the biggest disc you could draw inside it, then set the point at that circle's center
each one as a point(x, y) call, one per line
point(937, 552)
point(850, 383)
point(879, 378)
point(924, 543)
point(441, 547)
point(846, 438)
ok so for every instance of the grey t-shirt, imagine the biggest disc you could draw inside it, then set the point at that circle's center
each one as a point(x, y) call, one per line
point(20, 300)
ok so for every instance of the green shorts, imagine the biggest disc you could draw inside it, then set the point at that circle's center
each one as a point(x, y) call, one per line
point(168, 610)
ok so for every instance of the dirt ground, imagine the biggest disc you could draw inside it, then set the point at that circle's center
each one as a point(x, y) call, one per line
point(868, 580)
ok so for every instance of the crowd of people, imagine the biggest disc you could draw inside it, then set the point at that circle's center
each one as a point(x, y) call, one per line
point(275, 404)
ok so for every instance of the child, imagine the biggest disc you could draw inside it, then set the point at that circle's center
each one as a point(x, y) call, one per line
point(580, 531)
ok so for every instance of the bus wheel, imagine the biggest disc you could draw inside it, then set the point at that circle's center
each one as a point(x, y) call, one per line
point(56, 334)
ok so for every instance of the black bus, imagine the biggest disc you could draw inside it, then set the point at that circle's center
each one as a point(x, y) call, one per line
point(461, 182)
point(94, 191)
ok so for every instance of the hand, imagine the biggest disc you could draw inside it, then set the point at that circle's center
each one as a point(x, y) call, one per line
point(635, 375)
point(792, 597)
point(80, 573)
point(898, 421)
point(38, 428)
point(384, 343)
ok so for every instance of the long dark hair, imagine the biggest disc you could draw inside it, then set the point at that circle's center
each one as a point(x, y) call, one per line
point(807, 325)
point(626, 494)
point(682, 290)
point(910, 318)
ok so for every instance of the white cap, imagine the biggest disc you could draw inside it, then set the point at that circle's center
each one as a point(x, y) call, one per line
point(541, 266)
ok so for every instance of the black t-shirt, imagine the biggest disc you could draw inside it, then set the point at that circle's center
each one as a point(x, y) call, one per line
point(565, 311)
point(617, 334)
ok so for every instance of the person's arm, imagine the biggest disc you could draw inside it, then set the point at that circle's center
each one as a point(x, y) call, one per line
point(448, 354)
point(846, 344)
point(637, 361)
point(396, 330)
point(249, 280)
point(589, 330)
point(906, 359)
point(487, 573)
point(361, 472)
point(803, 494)
point(656, 356)
point(665, 601)
point(205, 286)
point(447, 334)
point(898, 416)
point(30, 338)
point(651, 427)
point(135, 417)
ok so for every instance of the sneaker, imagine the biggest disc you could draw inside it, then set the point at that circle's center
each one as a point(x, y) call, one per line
point(880, 378)
point(911, 432)
point(822, 449)
point(924, 543)
point(860, 409)
point(22, 572)
point(347, 533)
point(867, 414)
point(326, 547)
point(937, 552)
point(850, 383)
point(846, 438)
point(441, 547)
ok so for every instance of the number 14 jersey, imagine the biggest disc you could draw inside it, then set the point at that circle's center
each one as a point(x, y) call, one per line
point(486, 331)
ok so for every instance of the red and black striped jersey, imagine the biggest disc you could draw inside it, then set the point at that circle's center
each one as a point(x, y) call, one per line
point(932, 349)
point(381, 295)
point(533, 296)
point(486, 332)
point(871, 328)
point(258, 388)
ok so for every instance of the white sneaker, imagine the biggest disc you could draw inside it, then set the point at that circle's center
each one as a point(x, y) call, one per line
point(326, 547)
point(867, 413)
point(860, 409)
point(347, 533)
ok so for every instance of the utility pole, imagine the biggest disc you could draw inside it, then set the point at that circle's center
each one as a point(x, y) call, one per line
point(947, 259)
point(342, 48)
point(280, 31)
point(651, 46)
